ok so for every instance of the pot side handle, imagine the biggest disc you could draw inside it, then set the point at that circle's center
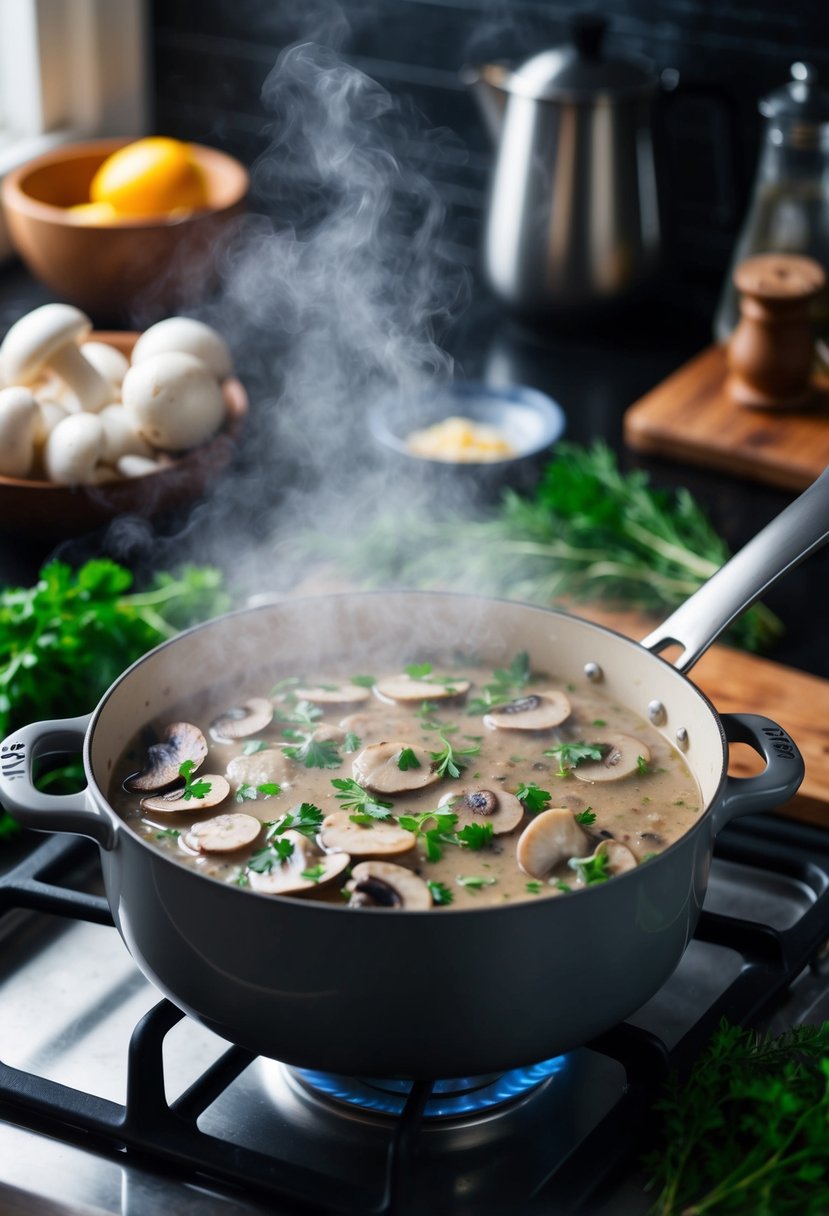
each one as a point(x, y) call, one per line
point(49, 812)
point(779, 780)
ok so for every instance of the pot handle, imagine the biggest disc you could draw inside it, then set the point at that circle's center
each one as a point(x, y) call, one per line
point(49, 812)
point(779, 780)
point(792, 536)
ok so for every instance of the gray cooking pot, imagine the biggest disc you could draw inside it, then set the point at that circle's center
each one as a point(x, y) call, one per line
point(423, 994)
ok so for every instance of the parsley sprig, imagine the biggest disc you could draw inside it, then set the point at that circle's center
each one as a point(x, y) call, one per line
point(748, 1130)
point(446, 762)
point(569, 755)
point(475, 836)
point(407, 759)
point(311, 752)
point(192, 789)
point(590, 869)
point(433, 828)
point(441, 894)
point(249, 793)
point(533, 798)
point(365, 806)
point(275, 853)
point(506, 684)
point(306, 818)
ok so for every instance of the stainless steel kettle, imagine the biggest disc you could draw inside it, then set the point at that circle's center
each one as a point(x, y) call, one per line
point(573, 218)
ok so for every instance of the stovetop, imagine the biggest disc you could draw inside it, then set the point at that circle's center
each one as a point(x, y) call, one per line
point(112, 1101)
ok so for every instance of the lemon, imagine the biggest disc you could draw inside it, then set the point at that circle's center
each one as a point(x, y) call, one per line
point(150, 177)
point(93, 213)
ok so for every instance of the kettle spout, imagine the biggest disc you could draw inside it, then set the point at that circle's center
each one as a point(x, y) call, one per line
point(485, 85)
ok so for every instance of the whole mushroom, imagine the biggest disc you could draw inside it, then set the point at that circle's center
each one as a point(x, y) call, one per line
point(174, 401)
point(19, 417)
point(108, 361)
point(189, 337)
point(73, 448)
point(48, 338)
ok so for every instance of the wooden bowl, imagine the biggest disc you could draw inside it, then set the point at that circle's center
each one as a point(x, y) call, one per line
point(43, 509)
point(142, 268)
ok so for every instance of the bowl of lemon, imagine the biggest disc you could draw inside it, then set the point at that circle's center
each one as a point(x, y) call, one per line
point(126, 230)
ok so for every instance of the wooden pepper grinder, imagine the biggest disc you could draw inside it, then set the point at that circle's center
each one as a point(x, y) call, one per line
point(771, 353)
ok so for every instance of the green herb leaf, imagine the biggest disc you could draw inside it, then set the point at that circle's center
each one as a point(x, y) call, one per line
point(533, 888)
point(314, 874)
point(643, 768)
point(474, 883)
point(569, 755)
point(193, 789)
point(162, 833)
point(506, 684)
point(590, 869)
point(585, 817)
point(533, 798)
point(475, 835)
point(252, 746)
point(354, 798)
point(363, 681)
point(303, 713)
point(249, 793)
point(446, 762)
point(306, 818)
point(407, 759)
point(275, 853)
point(561, 885)
point(418, 671)
point(351, 743)
point(314, 753)
point(441, 894)
point(435, 836)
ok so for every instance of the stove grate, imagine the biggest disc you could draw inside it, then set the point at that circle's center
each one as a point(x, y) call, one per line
point(167, 1133)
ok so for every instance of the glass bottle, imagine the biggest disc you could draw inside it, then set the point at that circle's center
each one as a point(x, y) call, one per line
point(789, 209)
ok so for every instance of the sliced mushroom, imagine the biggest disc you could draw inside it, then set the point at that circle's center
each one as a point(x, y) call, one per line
point(175, 801)
point(536, 711)
point(370, 728)
point(406, 690)
point(377, 839)
point(333, 694)
point(550, 839)
point(243, 720)
point(473, 804)
point(326, 733)
point(619, 859)
point(381, 884)
point(223, 833)
point(619, 759)
point(285, 878)
point(180, 741)
point(262, 768)
point(377, 768)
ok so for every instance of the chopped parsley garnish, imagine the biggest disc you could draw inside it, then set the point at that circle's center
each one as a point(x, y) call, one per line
point(303, 713)
point(351, 742)
point(418, 671)
point(441, 894)
point(643, 768)
point(313, 753)
point(586, 817)
point(275, 853)
point(533, 798)
point(569, 755)
point(241, 879)
point(306, 819)
point(363, 681)
point(475, 883)
point(253, 746)
point(446, 762)
point(249, 793)
point(532, 888)
point(162, 832)
point(475, 836)
point(433, 837)
point(506, 683)
point(598, 722)
point(192, 789)
point(354, 798)
point(590, 869)
point(314, 874)
point(428, 721)
point(647, 857)
point(560, 885)
point(407, 759)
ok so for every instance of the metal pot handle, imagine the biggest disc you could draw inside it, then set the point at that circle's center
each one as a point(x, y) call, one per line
point(788, 539)
point(779, 780)
point(49, 812)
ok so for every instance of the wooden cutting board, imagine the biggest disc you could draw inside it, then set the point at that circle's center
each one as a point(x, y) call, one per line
point(690, 417)
point(739, 682)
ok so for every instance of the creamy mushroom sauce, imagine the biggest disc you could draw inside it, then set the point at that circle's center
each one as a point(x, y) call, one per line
point(644, 811)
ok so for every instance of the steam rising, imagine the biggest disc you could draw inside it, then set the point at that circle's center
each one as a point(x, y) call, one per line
point(335, 302)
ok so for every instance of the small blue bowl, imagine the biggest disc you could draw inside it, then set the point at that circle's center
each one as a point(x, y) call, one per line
point(529, 420)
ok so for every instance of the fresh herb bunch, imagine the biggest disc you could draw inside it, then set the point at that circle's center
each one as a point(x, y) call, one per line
point(748, 1131)
point(64, 640)
point(587, 532)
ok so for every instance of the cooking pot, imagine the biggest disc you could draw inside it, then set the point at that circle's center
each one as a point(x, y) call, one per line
point(423, 994)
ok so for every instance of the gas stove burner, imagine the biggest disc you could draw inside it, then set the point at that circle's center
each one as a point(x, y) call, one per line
point(454, 1098)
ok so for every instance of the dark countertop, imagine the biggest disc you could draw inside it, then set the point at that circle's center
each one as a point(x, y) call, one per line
point(594, 376)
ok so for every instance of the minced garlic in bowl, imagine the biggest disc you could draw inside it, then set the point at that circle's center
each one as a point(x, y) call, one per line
point(460, 439)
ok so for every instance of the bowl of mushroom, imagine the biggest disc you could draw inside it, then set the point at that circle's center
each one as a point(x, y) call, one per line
point(94, 425)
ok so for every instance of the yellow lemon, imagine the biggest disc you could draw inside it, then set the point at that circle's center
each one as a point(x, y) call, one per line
point(150, 177)
point(92, 213)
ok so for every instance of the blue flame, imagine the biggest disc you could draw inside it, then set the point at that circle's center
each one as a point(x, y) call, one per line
point(450, 1098)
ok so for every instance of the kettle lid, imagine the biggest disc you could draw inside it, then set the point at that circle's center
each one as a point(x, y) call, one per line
point(801, 98)
point(578, 70)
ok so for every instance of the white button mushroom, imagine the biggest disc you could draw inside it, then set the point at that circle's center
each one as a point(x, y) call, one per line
point(551, 838)
point(475, 804)
point(48, 337)
point(175, 800)
point(536, 711)
point(408, 690)
point(622, 755)
point(185, 336)
point(19, 416)
point(223, 833)
point(136, 466)
point(382, 768)
point(107, 361)
point(339, 834)
point(174, 401)
point(382, 884)
point(73, 449)
point(120, 436)
point(49, 414)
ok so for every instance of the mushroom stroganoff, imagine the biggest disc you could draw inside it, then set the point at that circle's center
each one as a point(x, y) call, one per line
point(430, 787)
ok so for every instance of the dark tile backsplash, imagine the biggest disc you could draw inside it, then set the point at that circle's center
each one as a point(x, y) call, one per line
point(212, 58)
